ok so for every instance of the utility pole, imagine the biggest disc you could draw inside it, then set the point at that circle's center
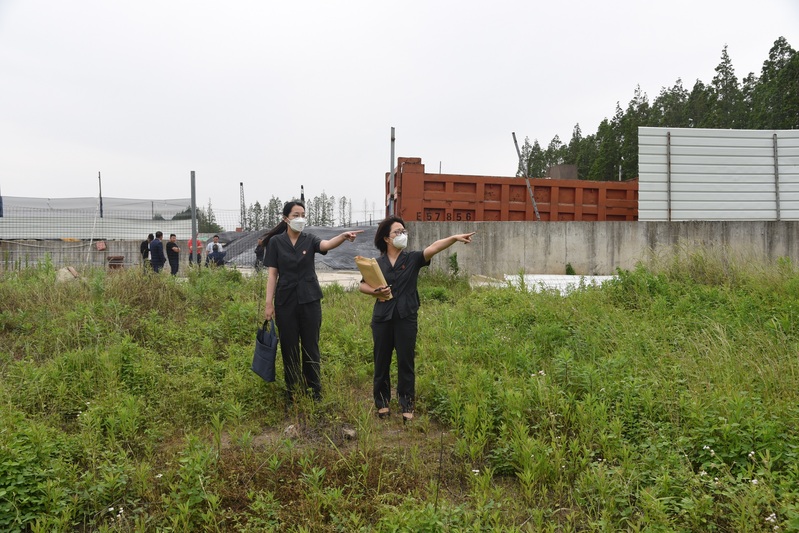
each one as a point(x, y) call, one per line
point(391, 178)
point(194, 219)
point(101, 193)
point(243, 206)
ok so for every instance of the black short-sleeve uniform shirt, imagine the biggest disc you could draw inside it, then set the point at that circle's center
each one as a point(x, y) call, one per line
point(295, 267)
point(171, 250)
point(402, 277)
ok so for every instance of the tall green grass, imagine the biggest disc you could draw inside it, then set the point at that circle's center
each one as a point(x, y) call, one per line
point(665, 400)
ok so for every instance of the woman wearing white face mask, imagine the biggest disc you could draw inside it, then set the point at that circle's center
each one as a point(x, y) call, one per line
point(293, 296)
point(394, 324)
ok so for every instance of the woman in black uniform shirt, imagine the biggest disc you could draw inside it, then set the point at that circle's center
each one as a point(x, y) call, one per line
point(293, 287)
point(394, 324)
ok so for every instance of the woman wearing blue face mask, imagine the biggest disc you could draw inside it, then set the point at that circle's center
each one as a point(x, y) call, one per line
point(394, 324)
point(293, 296)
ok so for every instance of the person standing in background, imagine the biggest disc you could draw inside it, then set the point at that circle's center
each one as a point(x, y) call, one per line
point(157, 257)
point(144, 250)
point(198, 244)
point(215, 257)
point(173, 254)
point(210, 247)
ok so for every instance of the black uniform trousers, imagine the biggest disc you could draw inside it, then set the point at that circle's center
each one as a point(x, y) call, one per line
point(299, 324)
point(400, 334)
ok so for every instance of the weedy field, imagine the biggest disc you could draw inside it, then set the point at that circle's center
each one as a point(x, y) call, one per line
point(666, 400)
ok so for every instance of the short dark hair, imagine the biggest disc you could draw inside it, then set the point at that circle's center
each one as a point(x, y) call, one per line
point(215, 237)
point(383, 231)
point(172, 235)
point(159, 234)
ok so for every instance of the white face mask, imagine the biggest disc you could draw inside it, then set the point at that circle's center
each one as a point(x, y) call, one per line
point(400, 241)
point(297, 224)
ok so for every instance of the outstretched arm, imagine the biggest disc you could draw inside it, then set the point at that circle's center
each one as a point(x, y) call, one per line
point(443, 244)
point(338, 240)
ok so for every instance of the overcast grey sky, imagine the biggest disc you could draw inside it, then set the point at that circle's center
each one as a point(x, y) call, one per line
point(279, 94)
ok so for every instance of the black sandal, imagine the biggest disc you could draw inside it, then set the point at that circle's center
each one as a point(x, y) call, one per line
point(383, 413)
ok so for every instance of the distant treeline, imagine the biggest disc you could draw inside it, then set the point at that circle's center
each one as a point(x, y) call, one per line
point(322, 210)
point(770, 101)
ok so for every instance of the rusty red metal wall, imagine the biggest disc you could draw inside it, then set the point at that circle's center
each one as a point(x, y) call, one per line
point(450, 197)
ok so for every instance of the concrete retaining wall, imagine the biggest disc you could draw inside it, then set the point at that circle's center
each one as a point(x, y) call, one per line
point(499, 248)
point(597, 248)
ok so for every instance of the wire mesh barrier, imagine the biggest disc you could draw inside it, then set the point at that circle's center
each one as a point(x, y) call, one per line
point(88, 232)
point(84, 231)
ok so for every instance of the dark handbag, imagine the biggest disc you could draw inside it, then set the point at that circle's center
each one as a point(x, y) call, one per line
point(263, 360)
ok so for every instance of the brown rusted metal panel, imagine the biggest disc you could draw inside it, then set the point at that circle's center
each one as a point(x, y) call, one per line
point(451, 197)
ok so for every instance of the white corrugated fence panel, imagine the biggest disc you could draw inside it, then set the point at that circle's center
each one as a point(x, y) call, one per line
point(717, 174)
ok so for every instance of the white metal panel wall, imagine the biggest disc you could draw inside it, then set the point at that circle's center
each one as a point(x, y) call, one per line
point(717, 174)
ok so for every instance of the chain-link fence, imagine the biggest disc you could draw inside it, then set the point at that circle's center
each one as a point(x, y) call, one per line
point(98, 233)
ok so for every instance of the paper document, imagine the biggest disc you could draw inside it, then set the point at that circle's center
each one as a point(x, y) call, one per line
point(370, 271)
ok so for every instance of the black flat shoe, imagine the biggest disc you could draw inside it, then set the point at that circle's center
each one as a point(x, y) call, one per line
point(383, 413)
point(407, 417)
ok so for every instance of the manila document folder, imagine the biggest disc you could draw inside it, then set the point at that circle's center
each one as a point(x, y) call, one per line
point(370, 271)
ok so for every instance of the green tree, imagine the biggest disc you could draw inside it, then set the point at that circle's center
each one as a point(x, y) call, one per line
point(204, 223)
point(256, 218)
point(606, 164)
point(637, 114)
point(534, 158)
point(206, 220)
point(775, 97)
point(274, 212)
point(555, 154)
point(344, 211)
point(669, 108)
point(699, 106)
point(581, 152)
point(727, 99)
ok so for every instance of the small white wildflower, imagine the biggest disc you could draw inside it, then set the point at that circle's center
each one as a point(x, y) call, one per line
point(541, 373)
point(110, 509)
point(159, 476)
point(475, 472)
point(753, 482)
point(771, 518)
point(716, 480)
point(752, 454)
point(702, 473)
